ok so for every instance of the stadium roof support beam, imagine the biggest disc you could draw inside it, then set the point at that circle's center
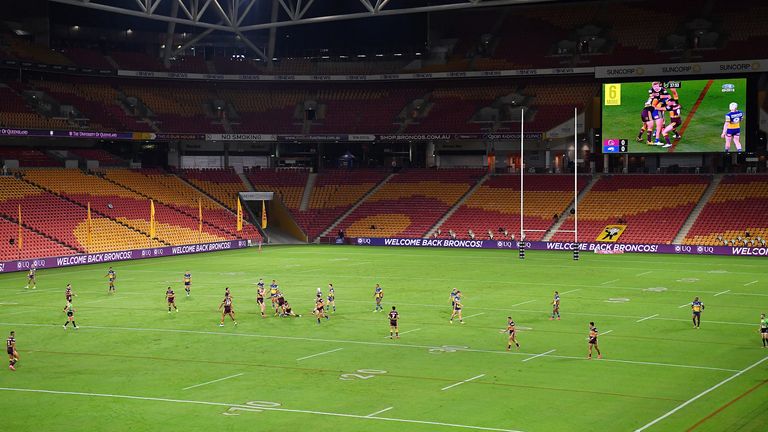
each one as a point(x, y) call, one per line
point(234, 12)
point(171, 30)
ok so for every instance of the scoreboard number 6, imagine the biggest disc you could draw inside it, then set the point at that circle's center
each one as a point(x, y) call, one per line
point(612, 94)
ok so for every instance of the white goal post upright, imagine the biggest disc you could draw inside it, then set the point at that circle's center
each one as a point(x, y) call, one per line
point(575, 184)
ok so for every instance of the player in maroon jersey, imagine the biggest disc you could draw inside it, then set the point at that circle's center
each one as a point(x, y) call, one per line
point(394, 317)
point(10, 348)
point(227, 308)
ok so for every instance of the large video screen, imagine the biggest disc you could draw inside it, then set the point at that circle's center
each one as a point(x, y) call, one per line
point(676, 116)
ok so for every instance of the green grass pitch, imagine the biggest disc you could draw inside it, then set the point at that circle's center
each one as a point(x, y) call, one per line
point(132, 366)
point(703, 132)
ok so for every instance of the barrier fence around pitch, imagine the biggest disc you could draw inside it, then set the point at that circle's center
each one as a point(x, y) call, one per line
point(105, 257)
point(596, 247)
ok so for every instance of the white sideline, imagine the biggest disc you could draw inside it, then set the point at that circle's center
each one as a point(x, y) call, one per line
point(398, 345)
point(227, 405)
point(319, 354)
point(462, 382)
point(539, 355)
point(647, 318)
point(693, 399)
point(379, 412)
point(214, 381)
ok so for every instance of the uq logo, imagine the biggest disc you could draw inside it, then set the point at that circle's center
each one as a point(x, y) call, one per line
point(363, 241)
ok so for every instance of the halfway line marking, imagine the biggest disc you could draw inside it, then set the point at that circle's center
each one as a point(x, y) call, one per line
point(379, 412)
point(693, 399)
point(261, 408)
point(214, 381)
point(722, 292)
point(462, 382)
point(750, 283)
point(647, 318)
point(319, 354)
point(539, 355)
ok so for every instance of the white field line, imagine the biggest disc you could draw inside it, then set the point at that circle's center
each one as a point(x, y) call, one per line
point(8, 304)
point(227, 405)
point(605, 332)
point(683, 305)
point(379, 412)
point(477, 314)
point(407, 331)
point(693, 399)
point(462, 382)
point(644, 273)
point(609, 282)
point(570, 291)
point(539, 355)
point(214, 381)
point(647, 318)
point(589, 314)
point(399, 345)
point(319, 354)
point(520, 304)
point(750, 283)
point(722, 292)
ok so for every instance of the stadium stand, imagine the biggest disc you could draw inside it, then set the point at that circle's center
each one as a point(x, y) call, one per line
point(174, 227)
point(335, 192)
point(104, 157)
point(68, 224)
point(287, 183)
point(738, 206)
point(27, 156)
point(174, 193)
point(221, 184)
point(410, 203)
point(654, 207)
point(495, 206)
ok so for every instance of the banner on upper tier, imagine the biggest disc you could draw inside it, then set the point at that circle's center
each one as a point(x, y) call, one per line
point(104, 257)
point(564, 246)
point(681, 69)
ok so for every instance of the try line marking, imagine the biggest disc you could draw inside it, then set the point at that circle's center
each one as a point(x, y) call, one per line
point(721, 292)
point(647, 318)
point(539, 355)
point(693, 399)
point(379, 412)
point(214, 381)
point(358, 342)
point(462, 382)
point(227, 405)
point(319, 354)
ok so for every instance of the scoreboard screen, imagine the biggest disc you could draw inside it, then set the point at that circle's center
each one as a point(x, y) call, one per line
point(682, 116)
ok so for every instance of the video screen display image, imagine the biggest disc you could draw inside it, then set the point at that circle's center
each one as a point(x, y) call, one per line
point(674, 116)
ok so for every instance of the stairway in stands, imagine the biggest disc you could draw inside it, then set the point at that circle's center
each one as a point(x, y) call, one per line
point(698, 209)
